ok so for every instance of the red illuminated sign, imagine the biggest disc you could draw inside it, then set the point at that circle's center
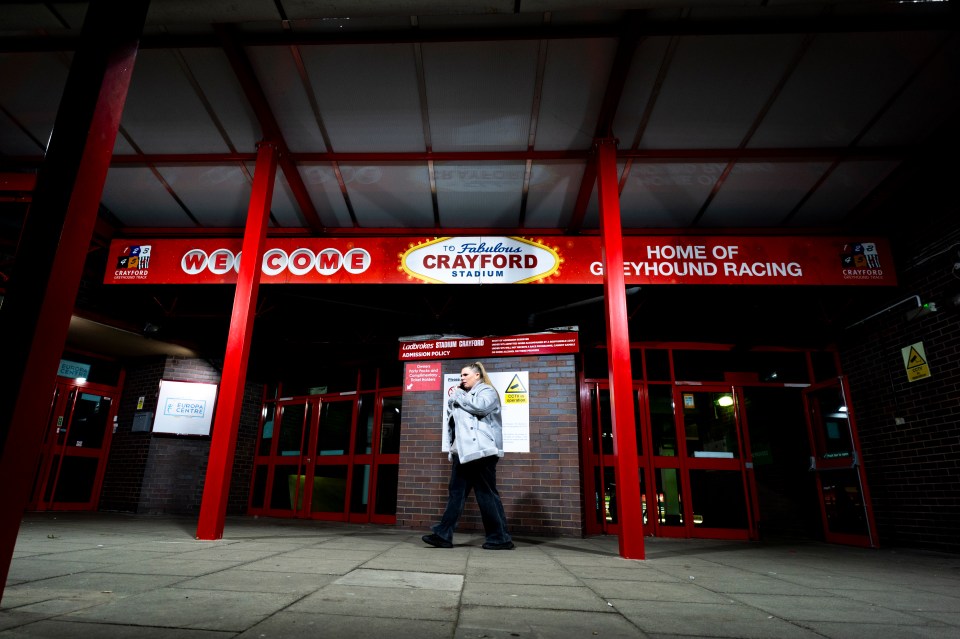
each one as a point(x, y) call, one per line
point(479, 347)
point(749, 260)
point(421, 376)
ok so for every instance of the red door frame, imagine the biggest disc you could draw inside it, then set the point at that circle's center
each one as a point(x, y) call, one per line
point(650, 464)
point(688, 463)
point(380, 458)
point(591, 422)
point(820, 464)
point(307, 461)
point(64, 400)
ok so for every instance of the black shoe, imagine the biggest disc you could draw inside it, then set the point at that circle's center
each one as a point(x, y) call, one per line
point(436, 540)
point(507, 545)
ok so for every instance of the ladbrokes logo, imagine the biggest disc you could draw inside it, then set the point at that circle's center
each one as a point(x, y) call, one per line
point(861, 261)
point(133, 262)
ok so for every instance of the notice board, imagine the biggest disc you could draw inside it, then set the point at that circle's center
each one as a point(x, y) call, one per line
point(185, 408)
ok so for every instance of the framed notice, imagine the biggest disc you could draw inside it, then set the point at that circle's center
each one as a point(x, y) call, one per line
point(185, 408)
point(513, 388)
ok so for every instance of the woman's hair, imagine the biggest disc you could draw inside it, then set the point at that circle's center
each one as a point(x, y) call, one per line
point(477, 367)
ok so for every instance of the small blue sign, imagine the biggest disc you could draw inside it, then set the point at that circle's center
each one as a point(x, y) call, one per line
point(73, 369)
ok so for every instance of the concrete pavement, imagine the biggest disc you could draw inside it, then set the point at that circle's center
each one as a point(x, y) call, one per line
point(107, 575)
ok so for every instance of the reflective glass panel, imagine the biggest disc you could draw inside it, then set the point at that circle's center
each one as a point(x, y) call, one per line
point(89, 423)
point(290, 438)
point(662, 424)
point(710, 424)
point(266, 435)
point(832, 426)
point(669, 497)
point(658, 365)
point(843, 502)
point(329, 489)
point(334, 435)
point(360, 488)
point(717, 499)
point(75, 482)
point(364, 440)
point(287, 488)
point(259, 487)
point(386, 498)
point(390, 425)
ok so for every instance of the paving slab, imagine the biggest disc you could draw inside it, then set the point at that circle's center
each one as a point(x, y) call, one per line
point(117, 575)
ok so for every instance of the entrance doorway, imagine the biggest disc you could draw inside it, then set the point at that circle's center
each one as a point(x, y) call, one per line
point(332, 457)
point(844, 497)
point(76, 444)
point(740, 455)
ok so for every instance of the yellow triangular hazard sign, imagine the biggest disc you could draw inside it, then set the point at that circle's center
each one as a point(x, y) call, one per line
point(515, 386)
point(915, 359)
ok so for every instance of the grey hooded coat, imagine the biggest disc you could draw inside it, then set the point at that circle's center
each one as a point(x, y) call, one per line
point(477, 429)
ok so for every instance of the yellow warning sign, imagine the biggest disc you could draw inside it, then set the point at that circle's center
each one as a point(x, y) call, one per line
point(915, 362)
point(515, 386)
point(515, 392)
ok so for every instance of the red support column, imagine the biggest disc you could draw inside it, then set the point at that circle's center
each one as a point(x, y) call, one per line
point(618, 355)
point(53, 246)
point(216, 486)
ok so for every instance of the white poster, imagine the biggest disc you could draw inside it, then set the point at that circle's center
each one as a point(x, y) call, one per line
point(185, 408)
point(514, 390)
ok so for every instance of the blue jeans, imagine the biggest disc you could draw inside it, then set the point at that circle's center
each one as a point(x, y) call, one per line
point(480, 476)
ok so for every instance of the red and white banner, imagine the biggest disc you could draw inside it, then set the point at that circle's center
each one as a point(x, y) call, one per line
point(480, 347)
point(830, 261)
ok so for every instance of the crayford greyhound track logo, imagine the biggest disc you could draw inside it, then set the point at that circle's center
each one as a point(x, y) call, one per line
point(861, 261)
point(476, 260)
point(133, 263)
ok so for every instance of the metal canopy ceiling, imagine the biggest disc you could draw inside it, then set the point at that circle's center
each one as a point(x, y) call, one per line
point(431, 117)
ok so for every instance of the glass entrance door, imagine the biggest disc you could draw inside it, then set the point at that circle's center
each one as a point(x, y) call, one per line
point(75, 448)
point(841, 482)
point(328, 457)
point(598, 452)
point(711, 460)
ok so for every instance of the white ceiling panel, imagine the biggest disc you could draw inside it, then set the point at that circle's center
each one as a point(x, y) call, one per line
point(324, 190)
point(591, 218)
point(214, 195)
point(715, 89)
point(389, 196)
point(479, 195)
point(137, 198)
point(368, 96)
point(480, 94)
point(846, 185)
point(216, 79)
point(30, 90)
point(163, 113)
point(637, 89)
point(851, 77)
point(459, 14)
point(277, 74)
point(284, 208)
point(552, 193)
point(574, 81)
point(14, 141)
point(932, 98)
point(666, 195)
point(762, 193)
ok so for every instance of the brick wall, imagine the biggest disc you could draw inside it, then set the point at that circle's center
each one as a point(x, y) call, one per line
point(161, 474)
point(127, 460)
point(540, 489)
point(910, 431)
